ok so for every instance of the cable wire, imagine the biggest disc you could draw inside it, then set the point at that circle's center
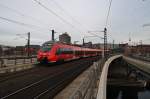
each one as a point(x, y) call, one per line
point(95, 34)
point(54, 13)
point(107, 17)
point(69, 15)
point(51, 11)
point(21, 14)
point(20, 23)
point(62, 9)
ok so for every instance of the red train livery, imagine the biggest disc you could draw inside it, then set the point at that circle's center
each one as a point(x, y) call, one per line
point(55, 52)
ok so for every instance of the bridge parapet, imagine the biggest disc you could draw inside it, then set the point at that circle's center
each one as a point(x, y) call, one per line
point(143, 65)
point(85, 85)
point(103, 78)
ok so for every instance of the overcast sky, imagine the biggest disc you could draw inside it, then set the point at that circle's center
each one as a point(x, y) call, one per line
point(76, 17)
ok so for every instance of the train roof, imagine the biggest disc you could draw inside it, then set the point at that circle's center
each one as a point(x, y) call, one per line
point(77, 47)
point(70, 46)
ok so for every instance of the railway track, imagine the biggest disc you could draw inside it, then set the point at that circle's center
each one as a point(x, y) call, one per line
point(7, 76)
point(51, 83)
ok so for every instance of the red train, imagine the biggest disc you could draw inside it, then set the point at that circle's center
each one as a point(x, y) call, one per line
point(55, 52)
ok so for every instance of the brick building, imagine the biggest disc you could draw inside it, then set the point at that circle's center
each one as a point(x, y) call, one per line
point(142, 50)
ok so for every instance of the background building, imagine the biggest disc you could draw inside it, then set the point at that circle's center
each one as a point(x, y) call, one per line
point(6, 50)
point(88, 45)
point(18, 50)
point(109, 46)
point(65, 38)
point(140, 50)
point(32, 50)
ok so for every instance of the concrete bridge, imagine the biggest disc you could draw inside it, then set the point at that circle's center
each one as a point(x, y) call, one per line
point(92, 84)
point(118, 70)
point(123, 71)
point(103, 78)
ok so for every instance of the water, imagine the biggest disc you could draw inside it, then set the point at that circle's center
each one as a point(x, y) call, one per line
point(127, 93)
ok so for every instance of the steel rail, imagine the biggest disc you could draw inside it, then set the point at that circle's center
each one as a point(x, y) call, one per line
point(60, 84)
point(42, 82)
point(29, 86)
point(34, 84)
point(17, 74)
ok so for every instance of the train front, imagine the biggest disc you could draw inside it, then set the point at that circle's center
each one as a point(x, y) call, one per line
point(45, 53)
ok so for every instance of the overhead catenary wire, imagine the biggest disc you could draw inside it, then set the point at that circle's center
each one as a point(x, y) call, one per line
point(69, 15)
point(66, 12)
point(23, 15)
point(51, 11)
point(94, 34)
point(62, 19)
point(21, 23)
point(73, 19)
point(90, 32)
point(108, 13)
point(28, 16)
point(34, 28)
point(54, 13)
point(107, 18)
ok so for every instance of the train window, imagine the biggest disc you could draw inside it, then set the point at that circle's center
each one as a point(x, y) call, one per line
point(58, 52)
point(78, 53)
point(46, 47)
point(69, 51)
point(65, 51)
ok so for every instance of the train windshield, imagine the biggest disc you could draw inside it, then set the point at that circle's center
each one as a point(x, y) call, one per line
point(46, 47)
